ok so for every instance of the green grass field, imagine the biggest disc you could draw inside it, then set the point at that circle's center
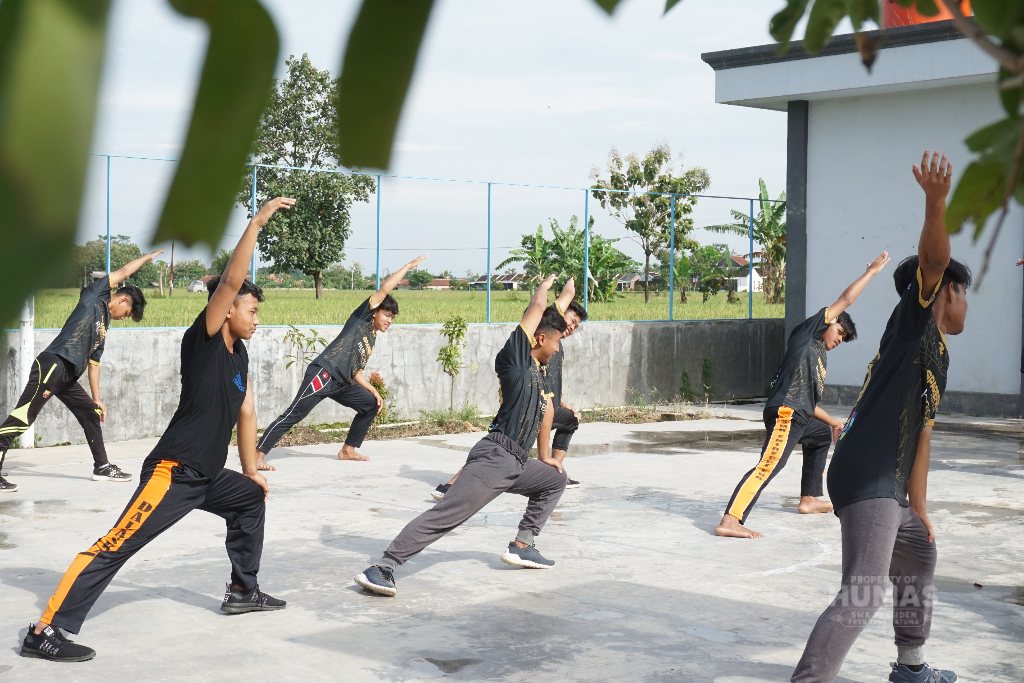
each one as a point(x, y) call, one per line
point(299, 307)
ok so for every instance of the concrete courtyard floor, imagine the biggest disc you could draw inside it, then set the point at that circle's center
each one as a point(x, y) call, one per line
point(642, 590)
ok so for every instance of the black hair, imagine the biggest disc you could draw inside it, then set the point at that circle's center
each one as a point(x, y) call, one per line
point(576, 308)
point(906, 271)
point(389, 304)
point(138, 300)
point(849, 329)
point(246, 288)
point(551, 321)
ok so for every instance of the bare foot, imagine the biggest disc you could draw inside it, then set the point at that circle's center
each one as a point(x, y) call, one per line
point(810, 505)
point(349, 453)
point(730, 527)
point(262, 465)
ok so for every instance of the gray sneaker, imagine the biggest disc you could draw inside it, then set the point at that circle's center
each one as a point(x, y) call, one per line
point(528, 558)
point(378, 580)
point(901, 673)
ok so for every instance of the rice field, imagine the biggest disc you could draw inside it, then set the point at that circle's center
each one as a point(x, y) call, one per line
point(300, 307)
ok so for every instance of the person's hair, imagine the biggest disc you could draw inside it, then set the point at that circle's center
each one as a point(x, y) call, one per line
point(389, 304)
point(576, 308)
point(138, 300)
point(246, 288)
point(551, 321)
point(849, 329)
point(906, 271)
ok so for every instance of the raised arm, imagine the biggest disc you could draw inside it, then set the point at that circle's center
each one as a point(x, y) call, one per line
point(392, 281)
point(532, 315)
point(566, 296)
point(934, 175)
point(238, 265)
point(853, 291)
point(132, 267)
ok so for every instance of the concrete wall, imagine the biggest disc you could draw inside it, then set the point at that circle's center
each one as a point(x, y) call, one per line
point(862, 198)
point(608, 364)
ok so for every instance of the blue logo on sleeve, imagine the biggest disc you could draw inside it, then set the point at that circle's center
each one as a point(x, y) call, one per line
point(239, 383)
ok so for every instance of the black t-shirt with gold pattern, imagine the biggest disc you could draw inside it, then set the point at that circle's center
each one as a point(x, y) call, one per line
point(83, 336)
point(523, 390)
point(901, 394)
point(800, 379)
point(350, 350)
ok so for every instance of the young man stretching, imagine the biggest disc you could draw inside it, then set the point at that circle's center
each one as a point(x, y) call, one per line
point(500, 462)
point(337, 373)
point(566, 420)
point(792, 414)
point(878, 480)
point(78, 346)
point(186, 470)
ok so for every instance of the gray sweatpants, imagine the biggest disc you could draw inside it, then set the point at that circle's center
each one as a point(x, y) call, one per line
point(882, 543)
point(495, 465)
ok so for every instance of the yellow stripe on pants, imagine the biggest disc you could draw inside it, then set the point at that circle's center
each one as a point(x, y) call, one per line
point(769, 460)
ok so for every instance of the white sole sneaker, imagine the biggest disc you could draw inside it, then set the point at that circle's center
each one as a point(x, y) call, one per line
point(374, 588)
point(436, 495)
point(100, 477)
point(516, 561)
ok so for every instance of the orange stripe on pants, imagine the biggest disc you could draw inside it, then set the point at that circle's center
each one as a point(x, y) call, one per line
point(134, 517)
point(758, 477)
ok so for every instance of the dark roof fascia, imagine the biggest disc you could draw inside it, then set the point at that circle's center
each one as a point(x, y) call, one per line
point(900, 36)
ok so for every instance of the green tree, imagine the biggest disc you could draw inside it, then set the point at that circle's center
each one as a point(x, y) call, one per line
point(297, 130)
point(638, 193)
point(605, 261)
point(682, 276)
point(220, 262)
point(419, 278)
point(187, 271)
point(450, 355)
point(532, 254)
point(711, 268)
point(770, 233)
point(92, 257)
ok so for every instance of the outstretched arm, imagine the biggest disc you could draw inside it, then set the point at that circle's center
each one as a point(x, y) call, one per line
point(566, 296)
point(851, 293)
point(132, 267)
point(247, 442)
point(934, 176)
point(238, 265)
point(532, 315)
point(392, 281)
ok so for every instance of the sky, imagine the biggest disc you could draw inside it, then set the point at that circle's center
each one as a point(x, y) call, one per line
point(528, 95)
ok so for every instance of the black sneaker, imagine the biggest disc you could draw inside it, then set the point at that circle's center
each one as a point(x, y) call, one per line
point(571, 483)
point(237, 602)
point(378, 580)
point(438, 493)
point(527, 558)
point(110, 472)
point(52, 645)
point(7, 486)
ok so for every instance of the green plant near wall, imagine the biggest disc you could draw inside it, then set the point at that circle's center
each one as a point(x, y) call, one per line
point(707, 378)
point(306, 345)
point(450, 355)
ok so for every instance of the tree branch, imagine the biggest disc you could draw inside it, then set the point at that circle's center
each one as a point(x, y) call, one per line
point(973, 32)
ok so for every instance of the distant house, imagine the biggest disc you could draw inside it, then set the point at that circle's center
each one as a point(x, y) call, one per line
point(439, 283)
point(507, 281)
point(741, 272)
point(626, 282)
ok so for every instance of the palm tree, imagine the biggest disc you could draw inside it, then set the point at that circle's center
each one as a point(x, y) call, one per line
point(770, 233)
point(533, 255)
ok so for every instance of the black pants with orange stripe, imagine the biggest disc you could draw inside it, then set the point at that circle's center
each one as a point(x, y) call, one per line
point(786, 428)
point(167, 492)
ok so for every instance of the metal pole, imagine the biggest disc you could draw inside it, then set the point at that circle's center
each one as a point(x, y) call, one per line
point(750, 265)
point(586, 250)
point(487, 316)
point(378, 232)
point(252, 209)
point(108, 213)
point(672, 262)
point(27, 355)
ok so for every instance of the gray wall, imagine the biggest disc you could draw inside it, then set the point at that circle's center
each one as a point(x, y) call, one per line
point(607, 364)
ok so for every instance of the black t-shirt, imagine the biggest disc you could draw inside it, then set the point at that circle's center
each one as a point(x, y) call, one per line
point(522, 388)
point(900, 396)
point(800, 379)
point(213, 385)
point(350, 350)
point(81, 339)
point(553, 373)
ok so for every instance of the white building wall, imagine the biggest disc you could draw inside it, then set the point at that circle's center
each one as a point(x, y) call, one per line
point(862, 199)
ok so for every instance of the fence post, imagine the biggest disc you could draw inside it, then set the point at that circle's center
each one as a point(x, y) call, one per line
point(108, 214)
point(252, 208)
point(586, 250)
point(750, 264)
point(672, 261)
point(378, 232)
point(487, 317)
